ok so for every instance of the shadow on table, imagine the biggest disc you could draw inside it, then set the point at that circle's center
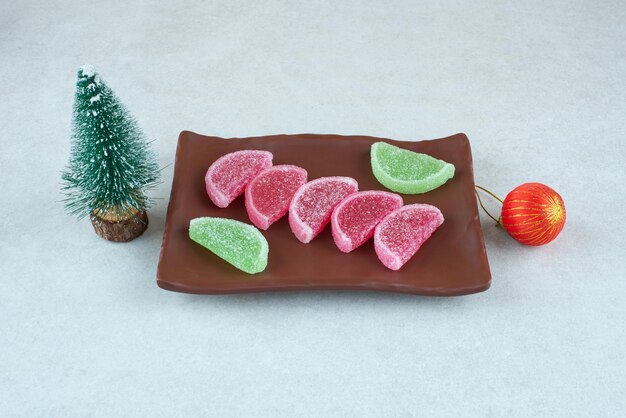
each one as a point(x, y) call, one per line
point(324, 297)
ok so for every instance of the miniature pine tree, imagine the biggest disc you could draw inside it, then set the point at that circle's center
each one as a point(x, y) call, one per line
point(111, 166)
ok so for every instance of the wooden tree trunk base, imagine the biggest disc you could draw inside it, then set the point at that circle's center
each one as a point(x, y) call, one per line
point(120, 231)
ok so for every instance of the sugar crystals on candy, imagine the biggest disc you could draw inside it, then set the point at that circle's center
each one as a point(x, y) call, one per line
point(238, 243)
point(229, 175)
point(408, 172)
point(313, 204)
point(354, 219)
point(269, 194)
point(401, 234)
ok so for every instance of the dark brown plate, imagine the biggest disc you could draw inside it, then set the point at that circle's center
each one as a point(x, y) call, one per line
point(452, 262)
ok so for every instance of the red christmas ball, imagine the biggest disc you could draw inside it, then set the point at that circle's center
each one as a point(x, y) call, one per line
point(533, 214)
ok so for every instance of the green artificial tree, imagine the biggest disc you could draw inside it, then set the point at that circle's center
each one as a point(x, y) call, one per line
point(111, 166)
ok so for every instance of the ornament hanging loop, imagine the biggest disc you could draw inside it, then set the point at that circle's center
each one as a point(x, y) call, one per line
point(480, 202)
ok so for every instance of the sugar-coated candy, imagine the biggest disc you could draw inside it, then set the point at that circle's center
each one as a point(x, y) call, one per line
point(238, 243)
point(408, 172)
point(354, 219)
point(269, 194)
point(401, 234)
point(313, 204)
point(229, 175)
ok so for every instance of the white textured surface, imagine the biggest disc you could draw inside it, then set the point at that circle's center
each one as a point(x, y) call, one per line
point(539, 89)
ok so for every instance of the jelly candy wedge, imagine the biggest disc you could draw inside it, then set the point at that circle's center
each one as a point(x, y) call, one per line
point(354, 219)
point(408, 172)
point(269, 194)
point(313, 203)
point(401, 234)
point(238, 243)
point(229, 175)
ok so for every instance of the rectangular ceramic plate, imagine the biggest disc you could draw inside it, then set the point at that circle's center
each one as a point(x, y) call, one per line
point(452, 262)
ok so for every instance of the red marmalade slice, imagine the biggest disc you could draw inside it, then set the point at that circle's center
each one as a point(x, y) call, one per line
point(269, 194)
point(401, 234)
point(354, 219)
point(313, 203)
point(229, 175)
